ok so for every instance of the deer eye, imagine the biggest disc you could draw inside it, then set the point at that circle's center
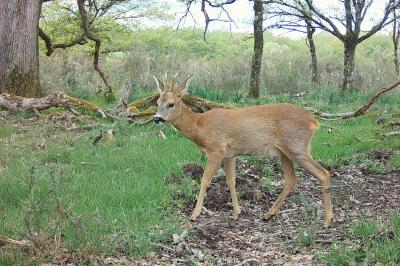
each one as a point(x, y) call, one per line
point(171, 105)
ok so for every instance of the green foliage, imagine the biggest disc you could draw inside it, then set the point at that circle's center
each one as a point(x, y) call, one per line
point(115, 195)
point(371, 250)
point(306, 237)
point(365, 228)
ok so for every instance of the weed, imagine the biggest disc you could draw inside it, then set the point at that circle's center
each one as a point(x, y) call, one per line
point(306, 237)
point(365, 229)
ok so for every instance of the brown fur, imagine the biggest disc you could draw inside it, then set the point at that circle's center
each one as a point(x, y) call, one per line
point(222, 134)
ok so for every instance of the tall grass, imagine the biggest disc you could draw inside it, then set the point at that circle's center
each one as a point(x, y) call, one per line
point(222, 64)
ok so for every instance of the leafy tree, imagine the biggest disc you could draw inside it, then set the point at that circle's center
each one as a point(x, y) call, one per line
point(350, 17)
point(63, 24)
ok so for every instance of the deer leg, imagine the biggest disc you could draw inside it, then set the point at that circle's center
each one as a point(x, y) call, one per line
point(213, 163)
point(322, 175)
point(230, 170)
point(290, 182)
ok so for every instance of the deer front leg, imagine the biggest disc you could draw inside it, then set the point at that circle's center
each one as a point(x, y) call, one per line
point(230, 170)
point(213, 163)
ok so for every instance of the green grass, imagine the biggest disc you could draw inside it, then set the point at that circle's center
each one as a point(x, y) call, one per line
point(370, 249)
point(115, 194)
point(113, 198)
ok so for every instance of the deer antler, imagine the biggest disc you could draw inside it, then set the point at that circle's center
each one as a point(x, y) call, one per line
point(174, 78)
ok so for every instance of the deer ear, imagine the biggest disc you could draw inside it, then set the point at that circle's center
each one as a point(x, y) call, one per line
point(183, 86)
point(160, 84)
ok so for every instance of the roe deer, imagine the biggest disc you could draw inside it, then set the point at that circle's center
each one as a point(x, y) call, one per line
point(224, 134)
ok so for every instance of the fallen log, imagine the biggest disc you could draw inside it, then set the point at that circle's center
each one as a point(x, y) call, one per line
point(140, 108)
point(147, 107)
point(197, 104)
point(56, 99)
point(360, 111)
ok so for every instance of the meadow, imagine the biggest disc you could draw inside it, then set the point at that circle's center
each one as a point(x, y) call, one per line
point(83, 203)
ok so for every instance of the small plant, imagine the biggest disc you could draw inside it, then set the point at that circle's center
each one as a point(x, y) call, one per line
point(365, 229)
point(395, 223)
point(306, 237)
point(310, 211)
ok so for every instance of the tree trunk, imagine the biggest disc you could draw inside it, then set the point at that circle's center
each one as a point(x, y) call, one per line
point(254, 91)
point(19, 59)
point(311, 46)
point(348, 66)
point(395, 40)
point(396, 60)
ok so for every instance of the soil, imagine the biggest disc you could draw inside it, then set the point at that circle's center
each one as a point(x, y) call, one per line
point(218, 239)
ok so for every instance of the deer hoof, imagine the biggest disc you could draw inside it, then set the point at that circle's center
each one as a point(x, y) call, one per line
point(194, 216)
point(268, 216)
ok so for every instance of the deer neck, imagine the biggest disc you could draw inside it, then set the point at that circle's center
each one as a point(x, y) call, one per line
point(186, 121)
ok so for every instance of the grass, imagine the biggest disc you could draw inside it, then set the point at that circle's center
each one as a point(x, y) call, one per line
point(115, 195)
point(113, 198)
point(372, 248)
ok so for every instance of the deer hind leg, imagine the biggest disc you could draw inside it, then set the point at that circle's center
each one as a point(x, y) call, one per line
point(230, 170)
point(290, 182)
point(213, 163)
point(322, 175)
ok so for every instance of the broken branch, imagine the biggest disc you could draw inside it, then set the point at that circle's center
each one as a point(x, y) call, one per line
point(56, 99)
point(360, 111)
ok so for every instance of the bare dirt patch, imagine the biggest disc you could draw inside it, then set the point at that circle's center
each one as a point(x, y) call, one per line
point(357, 193)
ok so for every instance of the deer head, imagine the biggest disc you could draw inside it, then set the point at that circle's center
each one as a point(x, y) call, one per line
point(170, 100)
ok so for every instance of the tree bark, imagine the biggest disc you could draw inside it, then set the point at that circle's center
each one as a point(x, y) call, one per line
point(395, 40)
point(19, 58)
point(348, 66)
point(254, 91)
point(396, 59)
point(311, 46)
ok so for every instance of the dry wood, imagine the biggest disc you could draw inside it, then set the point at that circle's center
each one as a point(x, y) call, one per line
point(197, 104)
point(141, 108)
point(359, 111)
point(121, 108)
point(56, 99)
point(391, 134)
point(6, 240)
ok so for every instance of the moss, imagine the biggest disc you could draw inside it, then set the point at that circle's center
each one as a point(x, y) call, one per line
point(23, 84)
point(144, 103)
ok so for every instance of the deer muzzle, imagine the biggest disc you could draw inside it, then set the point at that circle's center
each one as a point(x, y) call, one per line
point(158, 120)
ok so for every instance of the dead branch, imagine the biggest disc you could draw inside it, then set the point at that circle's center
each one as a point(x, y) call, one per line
point(56, 99)
point(360, 111)
point(122, 107)
point(391, 134)
point(197, 104)
point(85, 25)
point(142, 108)
point(24, 243)
point(98, 138)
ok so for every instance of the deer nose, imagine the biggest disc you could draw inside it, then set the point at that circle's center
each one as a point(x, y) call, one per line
point(158, 120)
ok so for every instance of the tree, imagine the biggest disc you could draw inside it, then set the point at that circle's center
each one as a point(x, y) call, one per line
point(19, 60)
point(254, 90)
point(296, 20)
point(395, 40)
point(311, 46)
point(351, 18)
point(19, 31)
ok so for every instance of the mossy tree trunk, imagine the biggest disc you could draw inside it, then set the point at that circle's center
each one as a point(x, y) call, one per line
point(311, 47)
point(254, 91)
point(348, 66)
point(19, 58)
